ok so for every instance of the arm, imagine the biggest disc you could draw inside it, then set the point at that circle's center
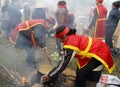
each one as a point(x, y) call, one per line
point(39, 33)
point(92, 24)
point(54, 73)
point(71, 18)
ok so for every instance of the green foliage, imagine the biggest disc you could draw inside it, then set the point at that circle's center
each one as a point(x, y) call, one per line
point(55, 57)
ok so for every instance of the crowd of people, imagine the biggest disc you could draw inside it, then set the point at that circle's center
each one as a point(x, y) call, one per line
point(91, 51)
point(103, 25)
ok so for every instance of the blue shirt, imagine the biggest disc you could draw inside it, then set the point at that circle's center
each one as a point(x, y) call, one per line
point(113, 18)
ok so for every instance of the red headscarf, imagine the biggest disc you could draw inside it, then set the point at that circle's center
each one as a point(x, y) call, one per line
point(100, 1)
point(63, 33)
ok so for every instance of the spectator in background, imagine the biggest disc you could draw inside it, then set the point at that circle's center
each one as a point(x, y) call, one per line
point(63, 17)
point(39, 12)
point(5, 18)
point(30, 35)
point(14, 14)
point(26, 11)
point(98, 23)
point(112, 22)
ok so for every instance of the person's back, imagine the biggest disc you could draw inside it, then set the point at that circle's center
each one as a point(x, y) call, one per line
point(102, 14)
point(99, 20)
point(103, 11)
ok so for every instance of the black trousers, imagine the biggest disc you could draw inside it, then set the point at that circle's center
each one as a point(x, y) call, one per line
point(30, 55)
point(26, 44)
point(87, 73)
point(108, 35)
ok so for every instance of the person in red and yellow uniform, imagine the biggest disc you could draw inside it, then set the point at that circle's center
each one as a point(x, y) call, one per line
point(99, 20)
point(63, 17)
point(30, 35)
point(90, 53)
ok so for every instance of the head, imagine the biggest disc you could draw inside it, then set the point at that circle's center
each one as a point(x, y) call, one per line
point(99, 2)
point(50, 22)
point(61, 5)
point(63, 32)
point(116, 4)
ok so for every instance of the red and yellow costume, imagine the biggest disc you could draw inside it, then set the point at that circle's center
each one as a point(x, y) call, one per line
point(25, 26)
point(88, 48)
point(100, 22)
point(90, 53)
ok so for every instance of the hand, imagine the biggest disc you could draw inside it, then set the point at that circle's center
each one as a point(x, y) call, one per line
point(44, 79)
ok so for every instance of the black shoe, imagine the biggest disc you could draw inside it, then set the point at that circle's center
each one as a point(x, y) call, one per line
point(115, 51)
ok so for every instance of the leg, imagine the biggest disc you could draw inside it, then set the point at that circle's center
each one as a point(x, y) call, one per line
point(81, 74)
point(108, 37)
point(30, 55)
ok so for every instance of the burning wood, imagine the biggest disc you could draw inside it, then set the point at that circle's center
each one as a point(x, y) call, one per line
point(65, 79)
point(12, 77)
